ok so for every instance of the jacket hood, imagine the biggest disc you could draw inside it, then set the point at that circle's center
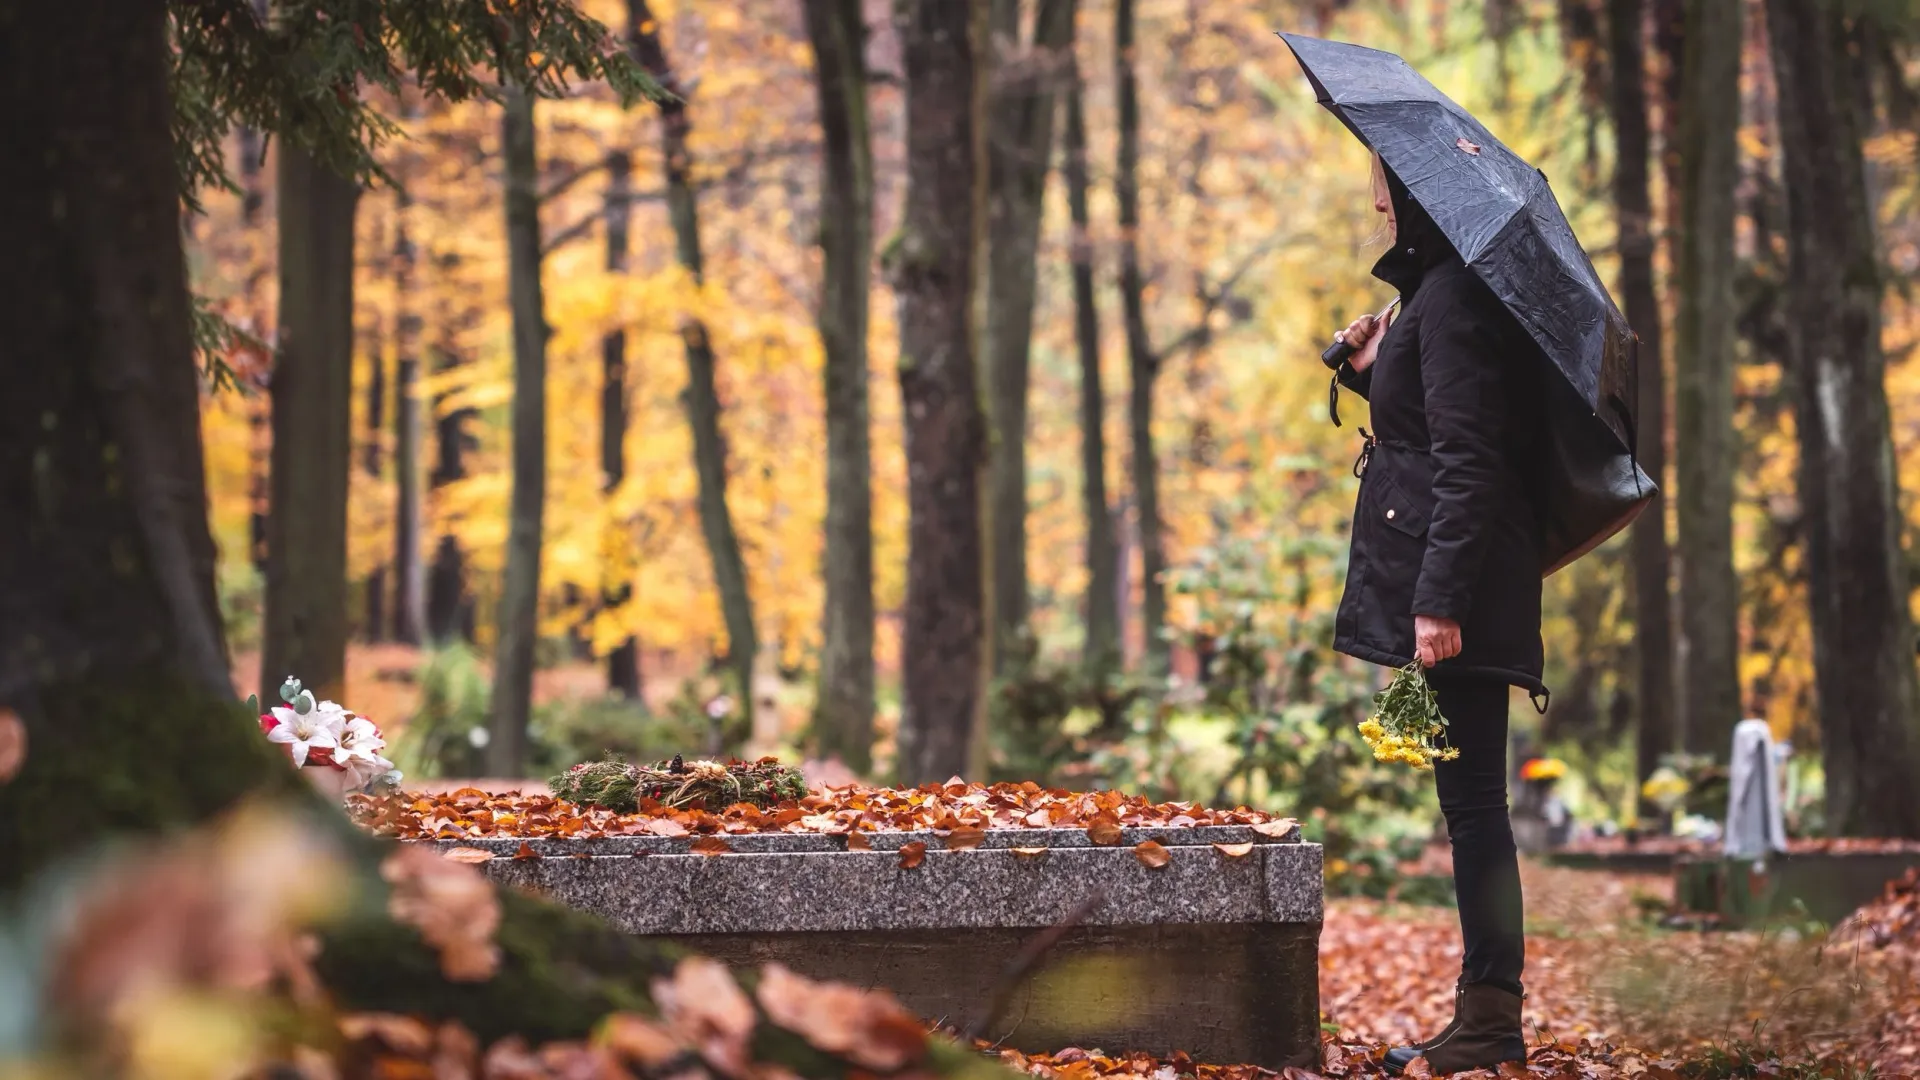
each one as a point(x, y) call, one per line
point(1418, 243)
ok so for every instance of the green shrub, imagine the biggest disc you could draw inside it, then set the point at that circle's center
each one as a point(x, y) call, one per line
point(448, 734)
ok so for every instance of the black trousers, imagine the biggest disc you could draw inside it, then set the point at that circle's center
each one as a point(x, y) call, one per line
point(1473, 798)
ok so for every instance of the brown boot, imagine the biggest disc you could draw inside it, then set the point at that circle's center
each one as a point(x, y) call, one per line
point(1485, 1032)
point(1408, 1053)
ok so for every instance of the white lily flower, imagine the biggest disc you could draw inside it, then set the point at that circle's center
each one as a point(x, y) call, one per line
point(360, 732)
point(334, 717)
point(359, 740)
point(368, 769)
point(301, 732)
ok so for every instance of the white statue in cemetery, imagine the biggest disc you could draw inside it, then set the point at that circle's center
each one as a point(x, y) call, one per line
point(1756, 816)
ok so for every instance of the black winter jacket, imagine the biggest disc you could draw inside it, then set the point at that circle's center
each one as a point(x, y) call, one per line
point(1445, 524)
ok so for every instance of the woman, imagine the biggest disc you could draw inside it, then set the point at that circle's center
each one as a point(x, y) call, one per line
point(1445, 568)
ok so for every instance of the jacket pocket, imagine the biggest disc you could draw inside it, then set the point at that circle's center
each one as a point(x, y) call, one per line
point(1397, 509)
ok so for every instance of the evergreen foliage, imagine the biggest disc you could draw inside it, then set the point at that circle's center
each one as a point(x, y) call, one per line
point(299, 72)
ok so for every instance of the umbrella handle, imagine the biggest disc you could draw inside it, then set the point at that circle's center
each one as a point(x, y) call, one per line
point(1336, 354)
point(1340, 352)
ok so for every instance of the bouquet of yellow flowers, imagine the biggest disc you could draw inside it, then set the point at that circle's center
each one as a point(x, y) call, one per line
point(1406, 724)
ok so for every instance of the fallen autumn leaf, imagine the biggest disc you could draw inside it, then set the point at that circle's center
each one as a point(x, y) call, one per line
point(13, 744)
point(963, 839)
point(1152, 854)
point(912, 855)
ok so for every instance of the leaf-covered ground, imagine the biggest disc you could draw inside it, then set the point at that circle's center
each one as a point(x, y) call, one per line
point(1609, 996)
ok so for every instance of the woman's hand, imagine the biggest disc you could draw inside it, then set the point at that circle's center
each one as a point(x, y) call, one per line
point(1364, 334)
point(1434, 639)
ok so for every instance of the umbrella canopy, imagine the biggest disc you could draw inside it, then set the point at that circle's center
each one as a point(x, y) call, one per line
point(1496, 209)
point(1502, 218)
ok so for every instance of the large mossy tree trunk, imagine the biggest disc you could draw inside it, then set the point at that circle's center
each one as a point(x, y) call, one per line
point(843, 716)
point(1019, 131)
point(1705, 449)
point(932, 262)
point(623, 661)
point(109, 625)
point(1856, 579)
point(312, 387)
point(1143, 365)
point(519, 622)
point(1633, 207)
point(1101, 652)
point(702, 397)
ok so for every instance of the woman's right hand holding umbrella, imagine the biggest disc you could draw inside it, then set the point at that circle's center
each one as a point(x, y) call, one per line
point(1364, 334)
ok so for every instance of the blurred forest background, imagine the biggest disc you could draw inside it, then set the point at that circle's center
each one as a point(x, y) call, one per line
point(749, 491)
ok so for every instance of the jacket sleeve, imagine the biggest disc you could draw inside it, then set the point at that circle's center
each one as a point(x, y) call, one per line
point(1461, 374)
point(1360, 382)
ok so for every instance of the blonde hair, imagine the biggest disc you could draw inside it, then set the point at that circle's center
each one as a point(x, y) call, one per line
point(1382, 235)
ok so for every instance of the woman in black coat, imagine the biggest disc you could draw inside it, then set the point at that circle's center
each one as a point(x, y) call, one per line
point(1445, 568)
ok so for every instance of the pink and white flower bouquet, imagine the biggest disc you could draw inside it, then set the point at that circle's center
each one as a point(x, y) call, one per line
point(338, 751)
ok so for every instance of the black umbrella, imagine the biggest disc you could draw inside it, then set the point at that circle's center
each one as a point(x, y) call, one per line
point(1502, 218)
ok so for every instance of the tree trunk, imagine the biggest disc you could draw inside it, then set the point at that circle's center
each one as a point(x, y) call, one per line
point(844, 713)
point(702, 399)
point(1143, 366)
point(409, 573)
point(1101, 652)
point(1856, 581)
point(932, 263)
point(623, 663)
point(1705, 451)
point(449, 607)
point(1019, 142)
point(374, 617)
point(519, 622)
point(312, 388)
point(1633, 204)
point(108, 617)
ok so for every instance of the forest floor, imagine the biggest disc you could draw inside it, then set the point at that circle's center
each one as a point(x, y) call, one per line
point(1599, 969)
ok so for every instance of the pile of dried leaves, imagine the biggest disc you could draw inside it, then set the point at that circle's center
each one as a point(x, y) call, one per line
point(470, 813)
point(1893, 919)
